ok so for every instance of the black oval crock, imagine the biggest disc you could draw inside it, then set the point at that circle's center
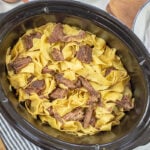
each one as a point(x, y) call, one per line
point(134, 129)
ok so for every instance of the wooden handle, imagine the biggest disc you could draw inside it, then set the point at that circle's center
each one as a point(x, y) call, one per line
point(125, 10)
point(2, 146)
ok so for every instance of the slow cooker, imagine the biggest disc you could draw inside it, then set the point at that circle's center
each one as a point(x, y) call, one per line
point(134, 129)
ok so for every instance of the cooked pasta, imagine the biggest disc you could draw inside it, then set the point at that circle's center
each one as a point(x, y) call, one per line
point(70, 79)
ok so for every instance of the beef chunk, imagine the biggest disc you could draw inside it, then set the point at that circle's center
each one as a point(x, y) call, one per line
point(125, 103)
point(75, 115)
point(71, 38)
point(70, 84)
point(58, 117)
point(89, 112)
point(87, 85)
point(50, 110)
point(57, 55)
point(43, 96)
point(36, 86)
point(37, 35)
point(108, 70)
point(84, 54)
point(94, 95)
point(93, 120)
point(58, 93)
point(28, 103)
point(88, 116)
point(57, 34)
point(60, 79)
point(28, 43)
point(54, 114)
point(78, 83)
point(30, 78)
point(47, 70)
point(20, 63)
point(94, 98)
point(28, 39)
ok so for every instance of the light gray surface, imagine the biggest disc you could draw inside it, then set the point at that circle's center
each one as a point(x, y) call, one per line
point(141, 26)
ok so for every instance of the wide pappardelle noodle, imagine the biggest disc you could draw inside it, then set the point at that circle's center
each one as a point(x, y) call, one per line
point(70, 79)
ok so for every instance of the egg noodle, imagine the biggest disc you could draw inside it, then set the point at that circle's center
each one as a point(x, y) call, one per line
point(70, 79)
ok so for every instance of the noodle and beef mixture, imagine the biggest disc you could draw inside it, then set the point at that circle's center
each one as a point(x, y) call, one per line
point(70, 79)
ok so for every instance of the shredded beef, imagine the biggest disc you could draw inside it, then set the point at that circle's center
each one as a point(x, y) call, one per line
point(87, 85)
point(58, 93)
point(70, 84)
point(58, 117)
point(60, 79)
point(108, 70)
point(94, 95)
point(78, 84)
point(76, 115)
point(28, 39)
point(57, 34)
point(28, 103)
point(94, 98)
point(50, 110)
point(36, 86)
point(47, 70)
point(88, 116)
point(71, 38)
point(28, 43)
point(125, 103)
point(43, 96)
point(84, 54)
point(20, 63)
point(37, 35)
point(93, 120)
point(30, 78)
point(54, 114)
point(57, 55)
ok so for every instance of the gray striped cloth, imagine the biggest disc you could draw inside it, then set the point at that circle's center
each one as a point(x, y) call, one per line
point(12, 139)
